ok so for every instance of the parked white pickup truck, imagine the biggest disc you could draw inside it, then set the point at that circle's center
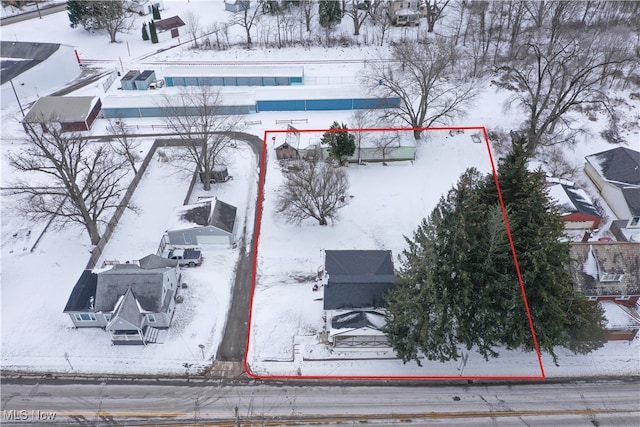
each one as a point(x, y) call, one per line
point(185, 257)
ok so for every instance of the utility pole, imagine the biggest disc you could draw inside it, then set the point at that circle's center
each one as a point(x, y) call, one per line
point(17, 99)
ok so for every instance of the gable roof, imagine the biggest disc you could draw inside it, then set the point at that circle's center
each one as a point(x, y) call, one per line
point(358, 319)
point(169, 23)
point(153, 261)
point(571, 199)
point(214, 213)
point(632, 197)
point(619, 316)
point(63, 109)
point(224, 216)
point(591, 261)
point(84, 289)
point(127, 315)
point(146, 283)
point(18, 57)
point(357, 278)
point(619, 165)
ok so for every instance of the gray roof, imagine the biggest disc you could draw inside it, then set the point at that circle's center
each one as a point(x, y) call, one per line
point(127, 315)
point(18, 57)
point(153, 261)
point(146, 283)
point(632, 197)
point(579, 203)
point(620, 165)
point(357, 319)
point(84, 289)
point(224, 216)
point(63, 109)
point(357, 279)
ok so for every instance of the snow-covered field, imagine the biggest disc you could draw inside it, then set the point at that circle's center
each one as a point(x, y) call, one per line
point(388, 202)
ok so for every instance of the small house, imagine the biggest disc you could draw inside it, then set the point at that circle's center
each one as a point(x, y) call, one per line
point(72, 113)
point(132, 301)
point(616, 174)
point(144, 79)
point(404, 13)
point(210, 222)
point(288, 150)
point(236, 5)
point(576, 208)
point(144, 7)
point(169, 28)
point(354, 284)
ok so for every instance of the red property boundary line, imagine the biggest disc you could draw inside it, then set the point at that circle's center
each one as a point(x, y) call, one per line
point(390, 377)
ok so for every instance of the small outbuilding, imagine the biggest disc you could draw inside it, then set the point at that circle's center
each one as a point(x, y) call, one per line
point(144, 79)
point(236, 5)
point(128, 81)
point(211, 222)
point(73, 113)
point(576, 208)
point(169, 28)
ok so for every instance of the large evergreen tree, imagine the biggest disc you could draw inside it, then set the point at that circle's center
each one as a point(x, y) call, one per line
point(458, 287)
point(329, 13)
point(342, 144)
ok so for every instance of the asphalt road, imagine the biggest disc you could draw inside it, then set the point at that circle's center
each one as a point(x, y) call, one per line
point(232, 348)
point(44, 10)
point(602, 403)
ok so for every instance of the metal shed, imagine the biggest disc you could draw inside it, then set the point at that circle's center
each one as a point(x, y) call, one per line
point(145, 78)
point(234, 76)
point(127, 82)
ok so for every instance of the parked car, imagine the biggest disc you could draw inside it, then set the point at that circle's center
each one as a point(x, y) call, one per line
point(189, 257)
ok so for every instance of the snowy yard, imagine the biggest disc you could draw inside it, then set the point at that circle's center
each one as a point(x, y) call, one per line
point(388, 202)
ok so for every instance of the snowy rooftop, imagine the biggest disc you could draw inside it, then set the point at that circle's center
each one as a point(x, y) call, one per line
point(619, 317)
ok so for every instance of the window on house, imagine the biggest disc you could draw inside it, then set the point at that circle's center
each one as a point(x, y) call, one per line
point(635, 222)
point(611, 277)
point(151, 318)
point(107, 317)
point(85, 317)
point(592, 298)
point(623, 297)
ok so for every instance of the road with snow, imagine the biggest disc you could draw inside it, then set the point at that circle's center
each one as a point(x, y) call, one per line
point(597, 403)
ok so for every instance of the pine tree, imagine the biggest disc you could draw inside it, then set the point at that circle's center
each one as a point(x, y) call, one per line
point(329, 13)
point(152, 30)
point(77, 10)
point(145, 34)
point(342, 144)
point(458, 287)
point(155, 10)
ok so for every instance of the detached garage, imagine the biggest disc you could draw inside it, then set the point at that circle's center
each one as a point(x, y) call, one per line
point(73, 113)
point(212, 222)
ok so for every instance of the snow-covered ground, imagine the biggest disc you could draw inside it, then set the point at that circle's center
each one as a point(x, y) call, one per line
point(388, 202)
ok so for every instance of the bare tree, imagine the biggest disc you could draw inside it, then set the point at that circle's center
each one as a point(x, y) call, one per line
point(84, 182)
point(385, 143)
point(313, 190)
point(548, 86)
point(358, 12)
point(125, 143)
point(360, 119)
point(192, 21)
point(422, 78)
point(246, 19)
point(381, 18)
point(308, 8)
point(197, 116)
point(433, 9)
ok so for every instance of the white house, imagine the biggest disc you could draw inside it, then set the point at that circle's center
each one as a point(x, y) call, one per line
point(616, 174)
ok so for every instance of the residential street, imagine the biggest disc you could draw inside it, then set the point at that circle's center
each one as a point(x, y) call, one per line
point(601, 403)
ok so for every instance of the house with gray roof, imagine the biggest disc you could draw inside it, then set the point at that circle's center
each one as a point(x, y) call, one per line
point(616, 174)
point(132, 301)
point(609, 273)
point(354, 284)
point(576, 207)
point(210, 222)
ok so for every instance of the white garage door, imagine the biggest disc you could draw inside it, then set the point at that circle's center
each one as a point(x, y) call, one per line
point(213, 240)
